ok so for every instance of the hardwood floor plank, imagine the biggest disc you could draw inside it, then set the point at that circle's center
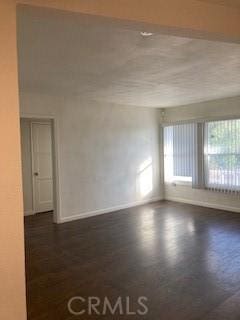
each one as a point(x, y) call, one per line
point(229, 309)
point(183, 258)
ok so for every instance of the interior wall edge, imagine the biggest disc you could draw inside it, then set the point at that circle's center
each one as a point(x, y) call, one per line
point(12, 260)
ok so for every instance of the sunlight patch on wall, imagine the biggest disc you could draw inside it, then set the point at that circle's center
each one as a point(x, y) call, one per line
point(145, 177)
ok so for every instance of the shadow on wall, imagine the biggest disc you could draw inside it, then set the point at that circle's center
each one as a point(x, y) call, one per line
point(145, 178)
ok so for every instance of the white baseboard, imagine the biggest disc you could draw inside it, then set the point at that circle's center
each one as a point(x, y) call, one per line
point(204, 204)
point(29, 213)
point(88, 214)
point(107, 210)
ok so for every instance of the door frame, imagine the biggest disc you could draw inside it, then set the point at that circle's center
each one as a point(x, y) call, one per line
point(55, 160)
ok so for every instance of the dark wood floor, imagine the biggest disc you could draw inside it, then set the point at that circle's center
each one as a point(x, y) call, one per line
point(184, 259)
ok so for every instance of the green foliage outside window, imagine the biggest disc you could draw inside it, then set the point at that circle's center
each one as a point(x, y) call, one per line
point(224, 144)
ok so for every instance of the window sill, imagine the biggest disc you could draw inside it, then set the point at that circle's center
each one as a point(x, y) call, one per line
point(179, 183)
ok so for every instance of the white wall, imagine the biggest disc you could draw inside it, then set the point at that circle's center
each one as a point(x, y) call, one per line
point(223, 108)
point(101, 150)
point(26, 166)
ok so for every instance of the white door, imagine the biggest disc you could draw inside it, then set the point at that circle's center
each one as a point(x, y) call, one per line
point(42, 166)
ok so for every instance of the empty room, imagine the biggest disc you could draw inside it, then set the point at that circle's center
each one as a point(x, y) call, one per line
point(120, 184)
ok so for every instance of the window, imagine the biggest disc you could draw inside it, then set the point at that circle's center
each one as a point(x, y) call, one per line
point(207, 155)
point(222, 155)
point(179, 153)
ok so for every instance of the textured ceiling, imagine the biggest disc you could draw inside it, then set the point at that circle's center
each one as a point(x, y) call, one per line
point(60, 53)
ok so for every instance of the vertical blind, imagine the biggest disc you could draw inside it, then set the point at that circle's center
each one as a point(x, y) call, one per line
point(179, 152)
point(222, 155)
point(204, 154)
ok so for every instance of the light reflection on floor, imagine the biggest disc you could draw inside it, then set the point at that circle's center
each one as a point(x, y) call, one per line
point(172, 229)
point(165, 240)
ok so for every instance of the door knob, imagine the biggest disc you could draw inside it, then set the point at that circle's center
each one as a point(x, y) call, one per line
point(36, 174)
